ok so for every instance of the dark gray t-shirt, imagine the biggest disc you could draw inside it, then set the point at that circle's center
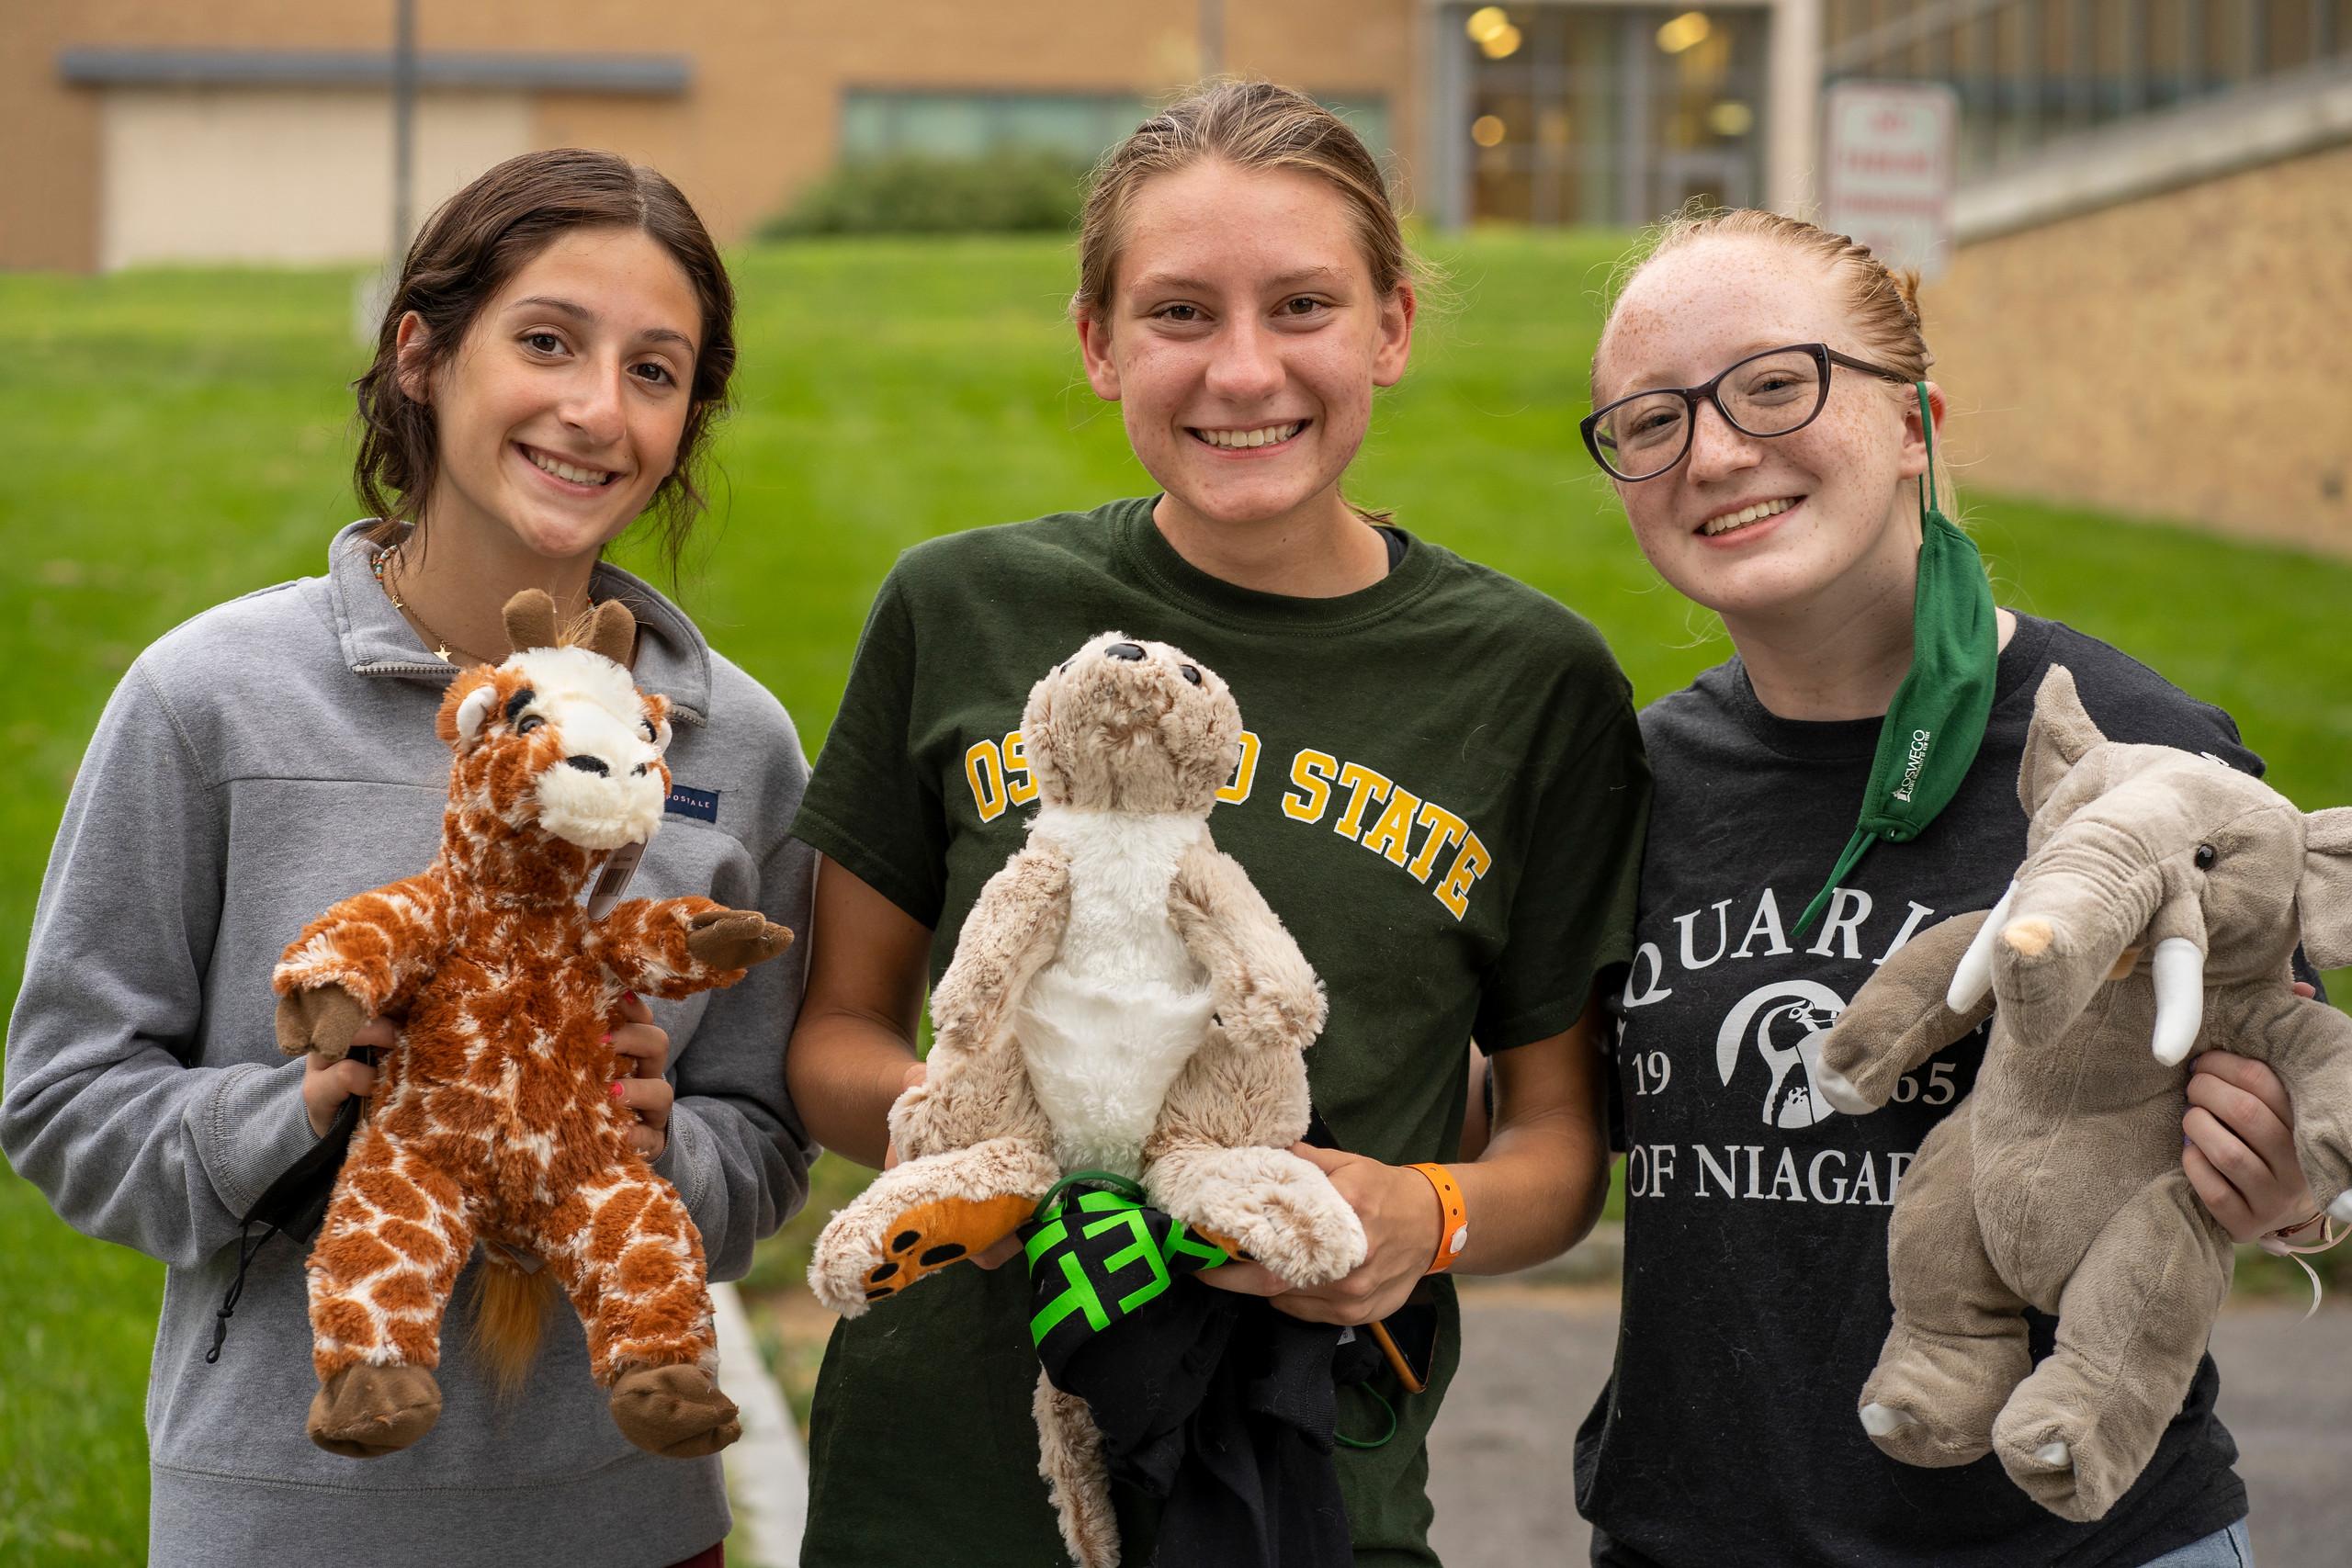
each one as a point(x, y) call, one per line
point(1756, 1296)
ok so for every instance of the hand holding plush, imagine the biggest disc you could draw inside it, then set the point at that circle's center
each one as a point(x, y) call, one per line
point(494, 1118)
point(2161, 898)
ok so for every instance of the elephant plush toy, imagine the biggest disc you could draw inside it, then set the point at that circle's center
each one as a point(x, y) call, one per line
point(2160, 902)
point(1120, 999)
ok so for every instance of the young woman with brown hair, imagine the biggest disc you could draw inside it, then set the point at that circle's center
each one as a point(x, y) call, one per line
point(1439, 791)
point(559, 341)
point(1761, 404)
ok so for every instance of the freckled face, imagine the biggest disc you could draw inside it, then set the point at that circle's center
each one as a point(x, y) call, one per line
point(561, 412)
point(1243, 338)
point(1685, 318)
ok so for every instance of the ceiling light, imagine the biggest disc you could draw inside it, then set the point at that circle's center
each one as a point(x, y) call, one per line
point(1683, 31)
point(1731, 118)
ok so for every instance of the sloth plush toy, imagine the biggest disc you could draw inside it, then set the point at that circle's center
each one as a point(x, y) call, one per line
point(491, 1120)
point(1120, 999)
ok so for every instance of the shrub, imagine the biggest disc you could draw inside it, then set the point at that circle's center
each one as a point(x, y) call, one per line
point(1000, 193)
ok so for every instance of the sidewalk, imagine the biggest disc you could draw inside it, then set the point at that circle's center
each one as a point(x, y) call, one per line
point(767, 1470)
point(1534, 1356)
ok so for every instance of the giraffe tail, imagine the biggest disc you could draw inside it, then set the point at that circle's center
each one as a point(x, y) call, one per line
point(510, 1313)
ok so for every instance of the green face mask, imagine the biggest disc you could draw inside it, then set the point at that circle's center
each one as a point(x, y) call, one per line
point(1937, 722)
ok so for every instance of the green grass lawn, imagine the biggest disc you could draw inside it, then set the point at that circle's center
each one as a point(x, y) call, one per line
point(178, 437)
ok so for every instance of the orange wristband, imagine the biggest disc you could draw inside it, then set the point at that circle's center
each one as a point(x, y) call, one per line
point(1453, 1217)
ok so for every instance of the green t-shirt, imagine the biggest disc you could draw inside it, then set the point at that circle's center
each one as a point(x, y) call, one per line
point(1441, 793)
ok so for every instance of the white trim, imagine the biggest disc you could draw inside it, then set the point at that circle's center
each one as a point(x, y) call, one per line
point(658, 75)
point(2277, 117)
point(1792, 150)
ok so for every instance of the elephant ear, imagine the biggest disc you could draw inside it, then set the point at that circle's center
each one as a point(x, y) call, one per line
point(2323, 898)
point(2059, 736)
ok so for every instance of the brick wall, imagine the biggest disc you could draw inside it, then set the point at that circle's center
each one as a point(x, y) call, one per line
point(2184, 355)
point(762, 114)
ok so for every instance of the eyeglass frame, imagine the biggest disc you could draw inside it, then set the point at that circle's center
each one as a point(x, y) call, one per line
point(1824, 356)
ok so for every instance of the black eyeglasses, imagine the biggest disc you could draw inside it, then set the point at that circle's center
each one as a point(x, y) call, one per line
point(1776, 392)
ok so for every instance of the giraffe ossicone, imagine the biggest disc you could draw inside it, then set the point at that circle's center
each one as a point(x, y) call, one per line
point(493, 1120)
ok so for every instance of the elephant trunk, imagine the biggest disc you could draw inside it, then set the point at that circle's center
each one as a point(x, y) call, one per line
point(2072, 923)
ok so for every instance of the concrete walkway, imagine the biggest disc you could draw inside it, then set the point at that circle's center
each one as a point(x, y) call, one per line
point(1534, 1356)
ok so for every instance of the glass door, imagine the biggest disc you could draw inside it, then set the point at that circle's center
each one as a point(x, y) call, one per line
point(1603, 114)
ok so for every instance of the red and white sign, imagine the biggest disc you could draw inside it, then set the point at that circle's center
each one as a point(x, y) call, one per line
point(1887, 169)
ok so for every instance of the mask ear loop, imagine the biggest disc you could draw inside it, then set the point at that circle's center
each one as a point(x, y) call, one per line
point(1928, 506)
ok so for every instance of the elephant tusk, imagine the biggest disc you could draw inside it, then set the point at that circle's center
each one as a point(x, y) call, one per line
point(1973, 977)
point(2180, 998)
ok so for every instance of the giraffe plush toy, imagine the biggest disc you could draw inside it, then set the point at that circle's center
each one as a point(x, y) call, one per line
point(493, 1119)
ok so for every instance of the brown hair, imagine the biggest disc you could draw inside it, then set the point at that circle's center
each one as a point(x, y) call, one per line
point(1251, 125)
point(467, 251)
point(1882, 303)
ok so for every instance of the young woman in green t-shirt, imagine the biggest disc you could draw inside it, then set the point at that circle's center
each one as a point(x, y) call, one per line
point(1441, 791)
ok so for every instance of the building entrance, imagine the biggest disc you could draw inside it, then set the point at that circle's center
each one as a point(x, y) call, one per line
point(1561, 112)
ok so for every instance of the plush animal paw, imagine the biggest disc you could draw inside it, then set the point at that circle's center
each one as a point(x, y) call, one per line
point(1271, 1020)
point(1932, 1398)
point(931, 1236)
point(922, 1216)
point(1925, 1435)
point(365, 1410)
point(1266, 1204)
point(1885, 1420)
point(321, 1018)
point(2052, 1457)
point(1839, 1091)
point(734, 939)
point(675, 1411)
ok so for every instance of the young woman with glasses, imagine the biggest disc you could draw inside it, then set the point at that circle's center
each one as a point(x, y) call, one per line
point(1762, 408)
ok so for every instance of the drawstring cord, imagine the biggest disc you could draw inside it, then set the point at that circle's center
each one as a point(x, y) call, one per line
point(248, 1246)
point(2278, 1245)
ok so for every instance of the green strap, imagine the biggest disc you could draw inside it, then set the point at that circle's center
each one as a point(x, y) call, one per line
point(1928, 507)
point(1933, 729)
point(1099, 1180)
point(1847, 859)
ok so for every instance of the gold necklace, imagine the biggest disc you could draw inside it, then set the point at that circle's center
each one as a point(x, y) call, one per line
point(440, 644)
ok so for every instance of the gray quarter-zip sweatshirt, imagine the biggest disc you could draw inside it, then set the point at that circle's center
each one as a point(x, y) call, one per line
point(271, 756)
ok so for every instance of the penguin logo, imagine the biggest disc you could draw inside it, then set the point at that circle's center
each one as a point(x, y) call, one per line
point(1785, 1022)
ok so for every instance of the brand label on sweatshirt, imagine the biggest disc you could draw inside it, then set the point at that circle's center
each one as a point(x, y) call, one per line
point(686, 801)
